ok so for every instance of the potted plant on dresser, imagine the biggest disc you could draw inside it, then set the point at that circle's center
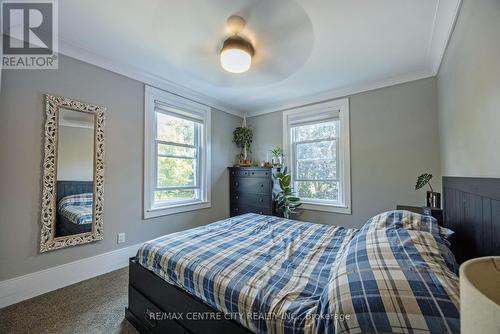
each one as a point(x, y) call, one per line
point(433, 197)
point(242, 137)
point(278, 156)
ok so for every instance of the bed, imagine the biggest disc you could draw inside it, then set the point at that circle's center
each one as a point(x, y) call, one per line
point(264, 274)
point(74, 207)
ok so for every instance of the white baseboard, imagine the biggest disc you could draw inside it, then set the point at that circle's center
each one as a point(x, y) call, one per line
point(31, 285)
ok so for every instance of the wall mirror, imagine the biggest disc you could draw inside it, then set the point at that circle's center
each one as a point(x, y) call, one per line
point(73, 173)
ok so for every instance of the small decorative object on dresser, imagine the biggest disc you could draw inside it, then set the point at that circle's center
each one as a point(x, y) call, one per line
point(426, 211)
point(278, 156)
point(250, 190)
point(433, 198)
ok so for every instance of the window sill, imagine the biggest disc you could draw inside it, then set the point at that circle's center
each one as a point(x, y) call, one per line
point(326, 207)
point(177, 208)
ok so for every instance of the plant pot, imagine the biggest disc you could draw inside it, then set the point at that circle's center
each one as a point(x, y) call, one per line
point(245, 162)
point(433, 199)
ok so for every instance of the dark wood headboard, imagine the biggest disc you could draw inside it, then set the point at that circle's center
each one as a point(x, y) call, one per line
point(66, 188)
point(472, 210)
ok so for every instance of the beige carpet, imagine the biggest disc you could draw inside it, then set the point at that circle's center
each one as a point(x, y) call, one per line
point(96, 305)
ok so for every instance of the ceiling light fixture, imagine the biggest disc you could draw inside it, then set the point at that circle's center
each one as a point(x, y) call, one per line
point(236, 53)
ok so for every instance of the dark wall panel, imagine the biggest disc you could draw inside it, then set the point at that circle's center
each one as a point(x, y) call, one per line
point(472, 210)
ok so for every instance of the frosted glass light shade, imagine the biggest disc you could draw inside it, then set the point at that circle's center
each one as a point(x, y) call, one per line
point(235, 60)
point(236, 55)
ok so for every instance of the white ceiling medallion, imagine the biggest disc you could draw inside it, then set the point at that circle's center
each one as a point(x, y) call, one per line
point(308, 52)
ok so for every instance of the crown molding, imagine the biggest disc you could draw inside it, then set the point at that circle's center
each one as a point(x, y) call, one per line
point(71, 50)
point(445, 19)
point(344, 92)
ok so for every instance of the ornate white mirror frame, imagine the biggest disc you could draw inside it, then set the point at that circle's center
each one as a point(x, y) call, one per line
point(48, 241)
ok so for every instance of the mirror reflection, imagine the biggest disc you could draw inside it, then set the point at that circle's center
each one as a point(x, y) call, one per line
point(75, 173)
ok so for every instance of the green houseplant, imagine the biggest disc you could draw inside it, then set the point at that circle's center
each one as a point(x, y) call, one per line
point(433, 198)
point(278, 154)
point(242, 137)
point(286, 199)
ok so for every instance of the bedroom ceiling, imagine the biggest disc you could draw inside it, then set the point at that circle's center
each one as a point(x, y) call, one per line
point(305, 50)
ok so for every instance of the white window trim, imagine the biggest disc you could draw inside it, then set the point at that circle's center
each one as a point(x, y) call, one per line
point(193, 109)
point(316, 112)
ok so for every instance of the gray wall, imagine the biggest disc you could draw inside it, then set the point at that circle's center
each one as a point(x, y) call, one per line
point(469, 93)
point(21, 123)
point(75, 154)
point(394, 138)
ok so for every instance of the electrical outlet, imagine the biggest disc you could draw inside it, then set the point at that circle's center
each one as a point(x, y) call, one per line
point(121, 238)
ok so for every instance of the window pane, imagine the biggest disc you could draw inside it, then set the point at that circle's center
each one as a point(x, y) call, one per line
point(319, 150)
point(175, 172)
point(174, 195)
point(176, 150)
point(317, 169)
point(315, 131)
point(318, 190)
point(173, 129)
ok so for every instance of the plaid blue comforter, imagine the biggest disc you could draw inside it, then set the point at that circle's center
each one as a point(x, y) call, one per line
point(396, 276)
point(283, 276)
point(76, 208)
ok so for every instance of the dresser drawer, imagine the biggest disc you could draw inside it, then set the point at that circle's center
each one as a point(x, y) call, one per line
point(151, 316)
point(237, 210)
point(251, 173)
point(251, 185)
point(258, 200)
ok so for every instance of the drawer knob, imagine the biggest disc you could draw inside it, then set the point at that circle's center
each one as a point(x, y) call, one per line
point(262, 200)
point(236, 209)
point(261, 185)
point(236, 196)
point(253, 173)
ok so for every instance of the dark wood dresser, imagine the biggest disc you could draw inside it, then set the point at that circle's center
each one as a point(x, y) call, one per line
point(434, 212)
point(250, 190)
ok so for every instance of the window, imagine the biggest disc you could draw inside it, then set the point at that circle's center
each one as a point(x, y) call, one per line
point(317, 139)
point(177, 154)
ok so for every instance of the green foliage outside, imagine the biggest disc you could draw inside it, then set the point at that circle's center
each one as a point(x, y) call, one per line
point(318, 190)
point(316, 131)
point(178, 170)
point(317, 160)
